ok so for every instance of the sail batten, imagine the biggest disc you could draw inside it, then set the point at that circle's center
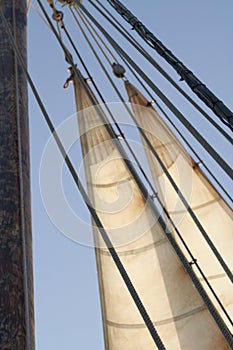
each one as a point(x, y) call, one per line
point(147, 255)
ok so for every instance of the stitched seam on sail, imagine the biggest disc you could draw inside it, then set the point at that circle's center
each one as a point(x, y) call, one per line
point(137, 251)
point(203, 205)
point(158, 323)
point(111, 184)
point(215, 277)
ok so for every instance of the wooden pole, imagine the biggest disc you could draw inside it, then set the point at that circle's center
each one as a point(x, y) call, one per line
point(16, 272)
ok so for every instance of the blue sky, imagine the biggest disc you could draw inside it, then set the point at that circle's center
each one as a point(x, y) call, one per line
point(67, 307)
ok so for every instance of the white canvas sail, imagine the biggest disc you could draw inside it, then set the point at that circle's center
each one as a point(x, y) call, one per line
point(183, 322)
point(211, 210)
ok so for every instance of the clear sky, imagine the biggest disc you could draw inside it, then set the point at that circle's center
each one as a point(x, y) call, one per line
point(67, 306)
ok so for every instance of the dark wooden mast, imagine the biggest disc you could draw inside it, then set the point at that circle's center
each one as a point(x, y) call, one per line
point(16, 272)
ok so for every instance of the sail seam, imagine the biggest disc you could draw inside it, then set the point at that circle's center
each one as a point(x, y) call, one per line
point(215, 277)
point(158, 323)
point(112, 183)
point(137, 251)
point(200, 206)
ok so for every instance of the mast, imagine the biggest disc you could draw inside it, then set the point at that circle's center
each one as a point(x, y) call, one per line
point(16, 276)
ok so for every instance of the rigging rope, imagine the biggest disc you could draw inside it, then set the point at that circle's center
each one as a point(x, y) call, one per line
point(117, 25)
point(217, 106)
point(39, 14)
point(177, 190)
point(96, 42)
point(90, 27)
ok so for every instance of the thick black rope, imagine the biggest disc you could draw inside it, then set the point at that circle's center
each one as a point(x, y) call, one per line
point(213, 102)
point(117, 25)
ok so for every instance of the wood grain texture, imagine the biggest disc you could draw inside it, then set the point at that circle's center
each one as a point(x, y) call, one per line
point(15, 213)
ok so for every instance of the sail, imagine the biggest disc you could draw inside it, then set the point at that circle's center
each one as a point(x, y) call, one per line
point(209, 207)
point(152, 265)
